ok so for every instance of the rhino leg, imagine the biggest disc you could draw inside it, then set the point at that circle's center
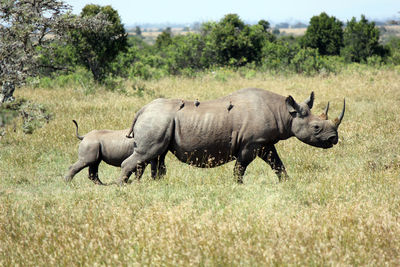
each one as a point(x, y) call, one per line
point(134, 163)
point(158, 168)
point(139, 170)
point(270, 156)
point(244, 158)
point(74, 169)
point(94, 173)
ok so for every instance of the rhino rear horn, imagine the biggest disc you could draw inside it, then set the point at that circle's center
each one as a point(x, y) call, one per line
point(339, 119)
point(324, 115)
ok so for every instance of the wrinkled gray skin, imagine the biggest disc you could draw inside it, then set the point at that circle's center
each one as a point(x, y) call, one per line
point(241, 126)
point(111, 147)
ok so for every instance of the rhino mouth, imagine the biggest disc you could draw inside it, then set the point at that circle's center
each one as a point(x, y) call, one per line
point(326, 145)
point(333, 140)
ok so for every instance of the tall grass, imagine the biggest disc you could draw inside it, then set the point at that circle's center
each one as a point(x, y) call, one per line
point(340, 207)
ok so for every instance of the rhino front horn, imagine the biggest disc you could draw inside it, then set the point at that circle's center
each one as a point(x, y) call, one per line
point(326, 110)
point(339, 119)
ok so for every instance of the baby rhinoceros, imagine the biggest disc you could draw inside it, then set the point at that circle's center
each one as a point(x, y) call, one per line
point(112, 147)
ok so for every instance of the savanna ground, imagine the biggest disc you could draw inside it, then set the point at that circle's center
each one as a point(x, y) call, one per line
point(340, 207)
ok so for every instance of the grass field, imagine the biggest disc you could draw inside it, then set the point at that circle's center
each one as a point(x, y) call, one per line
point(340, 207)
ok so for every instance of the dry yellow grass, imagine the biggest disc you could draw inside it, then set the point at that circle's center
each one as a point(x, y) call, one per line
point(293, 31)
point(341, 206)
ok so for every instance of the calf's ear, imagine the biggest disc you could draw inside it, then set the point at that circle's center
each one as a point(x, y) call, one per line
point(310, 101)
point(291, 105)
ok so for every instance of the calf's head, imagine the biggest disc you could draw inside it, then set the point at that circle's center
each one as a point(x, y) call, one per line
point(314, 130)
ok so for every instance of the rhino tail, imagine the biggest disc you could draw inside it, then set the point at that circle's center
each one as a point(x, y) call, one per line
point(130, 133)
point(77, 134)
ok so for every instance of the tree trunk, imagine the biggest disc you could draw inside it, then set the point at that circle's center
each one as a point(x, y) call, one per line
point(7, 91)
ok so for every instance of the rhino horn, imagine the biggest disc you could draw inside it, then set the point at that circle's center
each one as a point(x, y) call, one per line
point(339, 119)
point(324, 115)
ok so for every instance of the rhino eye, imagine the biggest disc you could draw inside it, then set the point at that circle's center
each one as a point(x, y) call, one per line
point(316, 128)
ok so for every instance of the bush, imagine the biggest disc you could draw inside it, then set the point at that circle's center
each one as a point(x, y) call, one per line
point(393, 48)
point(34, 115)
point(80, 78)
point(231, 42)
point(277, 56)
point(308, 61)
point(361, 41)
point(186, 52)
point(325, 34)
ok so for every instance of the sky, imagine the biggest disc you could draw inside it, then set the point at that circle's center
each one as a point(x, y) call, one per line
point(133, 12)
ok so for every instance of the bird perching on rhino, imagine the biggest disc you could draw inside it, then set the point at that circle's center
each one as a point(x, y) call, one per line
point(241, 126)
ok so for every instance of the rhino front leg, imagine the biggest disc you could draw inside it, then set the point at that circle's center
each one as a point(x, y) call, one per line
point(270, 156)
point(245, 157)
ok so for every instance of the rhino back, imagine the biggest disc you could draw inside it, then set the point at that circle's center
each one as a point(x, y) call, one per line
point(210, 134)
point(114, 146)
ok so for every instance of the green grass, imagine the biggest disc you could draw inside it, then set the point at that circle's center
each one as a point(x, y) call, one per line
point(340, 207)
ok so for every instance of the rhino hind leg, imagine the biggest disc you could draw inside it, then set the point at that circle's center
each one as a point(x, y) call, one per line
point(158, 168)
point(134, 163)
point(74, 169)
point(270, 156)
point(94, 173)
point(139, 170)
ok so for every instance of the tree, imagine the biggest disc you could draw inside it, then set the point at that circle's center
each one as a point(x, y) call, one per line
point(164, 39)
point(361, 40)
point(265, 24)
point(97, 49)
point(24, 27)
point(324, 33)
point(29, 29)
point(232, 42)
point(138, 31)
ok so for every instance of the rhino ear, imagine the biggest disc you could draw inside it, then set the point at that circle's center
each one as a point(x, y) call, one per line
point(310, 101)
point(291, 105)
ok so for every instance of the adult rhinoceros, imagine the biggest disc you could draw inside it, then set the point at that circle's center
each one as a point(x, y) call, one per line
point(240, 126)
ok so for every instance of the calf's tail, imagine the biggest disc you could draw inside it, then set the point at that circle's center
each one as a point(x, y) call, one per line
point(77, 134)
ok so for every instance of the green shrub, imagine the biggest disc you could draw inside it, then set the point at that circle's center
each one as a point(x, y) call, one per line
point(361, 41)
point(231, 42)
point(325, 33)
point(34, 115)
point(308, 61)
point(79, 78)
point(375, 61)
point(393, 48)
point(277, 56)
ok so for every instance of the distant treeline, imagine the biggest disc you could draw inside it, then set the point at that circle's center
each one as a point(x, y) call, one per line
point(327, 45)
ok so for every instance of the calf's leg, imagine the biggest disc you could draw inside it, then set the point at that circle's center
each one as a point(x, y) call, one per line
point(74, 169)
point(94, 173)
